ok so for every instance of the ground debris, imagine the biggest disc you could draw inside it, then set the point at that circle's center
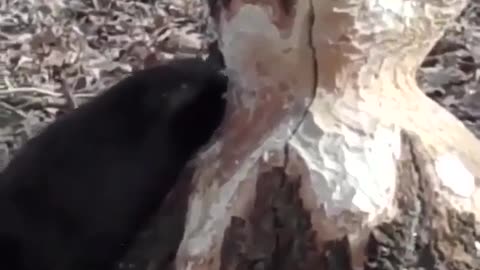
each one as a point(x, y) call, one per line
point(57, 54)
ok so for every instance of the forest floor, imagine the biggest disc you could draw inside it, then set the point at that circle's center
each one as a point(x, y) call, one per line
point(56, 54)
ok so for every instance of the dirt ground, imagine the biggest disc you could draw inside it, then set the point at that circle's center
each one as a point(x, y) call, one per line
point(450, 74)
point(57, 54)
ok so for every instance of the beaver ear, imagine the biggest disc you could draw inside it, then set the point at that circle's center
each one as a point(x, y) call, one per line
point(180, 84)
point(214, 84)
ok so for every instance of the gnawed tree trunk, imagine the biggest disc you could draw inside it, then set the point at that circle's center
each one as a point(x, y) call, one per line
point(330, 156)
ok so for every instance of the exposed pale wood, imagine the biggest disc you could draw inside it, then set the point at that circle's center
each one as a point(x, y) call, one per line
point(321, 94)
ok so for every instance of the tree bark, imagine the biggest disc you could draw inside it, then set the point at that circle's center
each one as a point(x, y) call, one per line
point(330, 156)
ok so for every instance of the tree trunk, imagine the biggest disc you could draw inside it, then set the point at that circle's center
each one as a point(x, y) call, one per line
point(331, 157)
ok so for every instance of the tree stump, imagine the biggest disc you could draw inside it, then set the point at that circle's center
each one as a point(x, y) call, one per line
point(330, 156)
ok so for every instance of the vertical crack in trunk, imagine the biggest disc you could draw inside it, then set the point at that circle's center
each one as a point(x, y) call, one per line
point(311, 46)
